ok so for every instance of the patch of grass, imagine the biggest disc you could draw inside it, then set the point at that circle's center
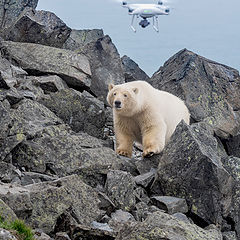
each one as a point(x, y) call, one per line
point(23, 232)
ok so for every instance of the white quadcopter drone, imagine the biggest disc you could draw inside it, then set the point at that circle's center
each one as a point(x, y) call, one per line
point(146, 11)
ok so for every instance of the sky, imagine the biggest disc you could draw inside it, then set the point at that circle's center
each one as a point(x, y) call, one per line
point(210, 28)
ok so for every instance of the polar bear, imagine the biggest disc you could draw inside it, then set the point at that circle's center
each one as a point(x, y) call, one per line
point(145, 115)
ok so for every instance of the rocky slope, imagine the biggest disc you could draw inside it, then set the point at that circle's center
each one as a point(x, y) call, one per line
point(58, 169)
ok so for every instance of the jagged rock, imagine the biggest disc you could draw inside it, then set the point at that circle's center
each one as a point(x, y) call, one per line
point(232, 164)
point(105, 64)
point(132, 71)
point(119, 218)
point(191, 168)
point(62, 236)
point(41, 204)
point(229, 236)
point(40, 235)
point(170, 204)
point(79, 232)
point(40, 27)
point(233, 146)
point(120, 188)
point(10, 10)
point(146, 179)
point(160, 225)
point(81, 111)
point(7, 172)
point(9, 73)
point(7, 214)
point(61, 152)
point(73, 68)
point(79, 38)
point(6, 235)
point(210, 90)
point(182, 217)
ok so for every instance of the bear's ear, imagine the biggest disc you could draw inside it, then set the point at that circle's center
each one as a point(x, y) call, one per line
point(135, 90)
point(110, 86)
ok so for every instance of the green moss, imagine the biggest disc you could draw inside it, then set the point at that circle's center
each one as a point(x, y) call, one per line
point(23, 232)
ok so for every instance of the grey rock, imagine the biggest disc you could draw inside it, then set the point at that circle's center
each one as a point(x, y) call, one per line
point(42, 204)
point(120, 188)
point(229, 235)
point(81, 111)
point(170, 204)
point(132, 71)
point(233, 146)
point(210, 90)
point(6, 235)
point(105, 65)
point(7, 214)
point(10, 10)
point(102, 226)
point(160, 225)
point(39, 27)
point(86, 232)
point(79, 38)
point(62, 236)
point(40, 235)
point(146, 179)
point(181, 217)
point(121, 216)
point(73, 68)
point(191, 168)
point(7, 172)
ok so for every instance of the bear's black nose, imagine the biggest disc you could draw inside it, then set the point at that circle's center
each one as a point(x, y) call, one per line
point(117, 104)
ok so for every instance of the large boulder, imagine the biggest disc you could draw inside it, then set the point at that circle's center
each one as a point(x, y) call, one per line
point(160, 225)
point(10, 10)
point(105, 65)
point(38, 59)
point(132, 71)
point(40, 27)
point(40, 205)
point(191, 168)
point(210, 90)
point(81, 111)
point(79, 38)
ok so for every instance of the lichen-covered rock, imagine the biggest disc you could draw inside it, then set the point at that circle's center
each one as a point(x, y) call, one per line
point(210, 90)
point(41, 204)
point(6, 213)
point(105, 64)
point(160, 225)
point(73, 68)
point(81, 111)
point(191, 168)
point(10, 10)
point(120, 188)
point(39, 27)
point(6, 235)
point(79, 38)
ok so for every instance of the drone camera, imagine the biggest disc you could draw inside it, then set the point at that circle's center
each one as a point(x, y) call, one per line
point(144, 23)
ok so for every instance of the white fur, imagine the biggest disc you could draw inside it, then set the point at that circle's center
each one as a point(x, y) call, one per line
point(147, 115)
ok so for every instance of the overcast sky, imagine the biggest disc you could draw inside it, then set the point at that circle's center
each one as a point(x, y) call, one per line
point(210, 28)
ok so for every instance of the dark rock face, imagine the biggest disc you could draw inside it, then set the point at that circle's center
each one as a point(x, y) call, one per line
point(191, 168)
point(10, 10)
point(105, 64)
point(210, 90)
point(79, 38)
point(132, 72)
point(40, 27)
point(81, 111)
point(73, 68)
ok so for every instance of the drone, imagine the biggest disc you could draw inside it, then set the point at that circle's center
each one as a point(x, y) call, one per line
point(146, 11)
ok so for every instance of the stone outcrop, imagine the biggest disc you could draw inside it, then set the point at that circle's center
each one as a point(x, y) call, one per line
point(58, 168)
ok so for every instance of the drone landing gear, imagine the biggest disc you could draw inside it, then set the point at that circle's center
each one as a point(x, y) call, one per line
point(144, 23)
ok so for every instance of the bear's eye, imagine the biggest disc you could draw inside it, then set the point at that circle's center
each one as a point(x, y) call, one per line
point(114, 94)
point(125, 95)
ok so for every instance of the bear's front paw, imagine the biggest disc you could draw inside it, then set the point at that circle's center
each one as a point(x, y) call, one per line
point(124, 153)
point(148, 152)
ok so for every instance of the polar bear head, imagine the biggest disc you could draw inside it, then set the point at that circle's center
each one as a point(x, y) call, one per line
point(123, 99)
